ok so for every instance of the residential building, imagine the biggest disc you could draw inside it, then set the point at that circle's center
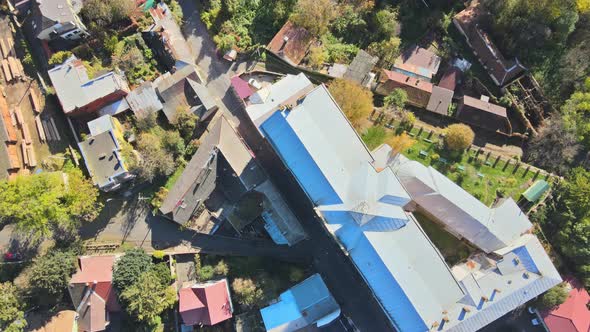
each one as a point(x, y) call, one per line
point(469, 22)
point(223, 181)
point(440, 100)
point(417, 62)
point(144, 100)
point(360, 68)
point(92, 292)
point(483, 114)
point(80, 94)
point(573, 315)
point(102, 156)
point(205, 304)
point(53, 19)
point(308, 303)
point(368, 210)
point(418, 90)
point(451, 78)
point(184, 90)
point(291, 43)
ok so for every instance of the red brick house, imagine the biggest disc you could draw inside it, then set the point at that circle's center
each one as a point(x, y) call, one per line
point(419, 91)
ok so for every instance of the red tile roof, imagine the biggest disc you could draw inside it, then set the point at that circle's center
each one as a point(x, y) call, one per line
point(408, 80)
point(241, 87)
point(501, 70)
point(572, 315)
point(450, 78)
point(206, 304)
point(295, 48)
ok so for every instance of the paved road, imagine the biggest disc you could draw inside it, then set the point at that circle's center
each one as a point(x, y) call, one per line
point(131, 221)
point(345, 283)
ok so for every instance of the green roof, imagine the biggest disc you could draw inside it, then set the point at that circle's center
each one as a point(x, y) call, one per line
point(536, 191)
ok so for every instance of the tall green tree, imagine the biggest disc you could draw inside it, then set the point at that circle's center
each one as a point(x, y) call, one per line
point(568, 221)
point(38, 203)
point(51, 274)
point(130, 267)
point(314, 15)
point(532, 29)
point(576, 114)
point(148, 297)
point(397, 98)
point(12, 318)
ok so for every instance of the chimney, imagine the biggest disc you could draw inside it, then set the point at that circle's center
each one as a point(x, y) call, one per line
point(407, 78)
point(285, 40)
point(466, 309)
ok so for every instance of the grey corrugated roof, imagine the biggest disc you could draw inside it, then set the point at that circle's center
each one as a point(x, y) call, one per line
point(440, 100)
point(361, 65)
point(143, 99)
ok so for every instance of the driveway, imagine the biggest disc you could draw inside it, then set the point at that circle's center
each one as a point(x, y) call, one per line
point(131, 221)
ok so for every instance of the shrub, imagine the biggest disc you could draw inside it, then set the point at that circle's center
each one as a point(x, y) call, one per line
point(296, 274)
point(553, 297)
point(247, 292)
point(221, 269)
point(435, 157)
point(159, 254)
point(206, 272)
point(59, 57)
point(458, 137)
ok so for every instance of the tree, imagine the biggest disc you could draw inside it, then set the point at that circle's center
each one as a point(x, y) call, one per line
point(386, 23)
point(104, 13)
point(59, 57)
point(186, 123)
point(129, 59)
point(554, 147)
point(387, 49)
point(568, 221)
point(532, 29)
point(148, 297)
point(39, 203)
point(146, 122)
point(12, 319)
point(155, 160)
point(314, 15)
point(173, 143)
point(400, 143)
point(316, 57)
point(576, 115)
point(553, 297)
point(246, 291)
point(129, 268)
point(398, 98)
point(51, 274)
point(458, 137)
point(355, 101)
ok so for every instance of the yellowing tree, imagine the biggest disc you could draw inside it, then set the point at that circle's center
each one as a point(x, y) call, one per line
point(314, 15)
point(458, 137)
point(400, 143)
point(354, 100)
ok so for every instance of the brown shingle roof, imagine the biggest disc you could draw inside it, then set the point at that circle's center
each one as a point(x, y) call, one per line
point(294, 49)
point(468, 22)
point(485, 106)
point(419, 61)
point(440, 100)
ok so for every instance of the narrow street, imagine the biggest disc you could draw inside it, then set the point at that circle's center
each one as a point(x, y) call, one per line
point(342, 278)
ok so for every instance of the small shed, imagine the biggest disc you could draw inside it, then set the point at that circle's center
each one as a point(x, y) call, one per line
point(536, 191)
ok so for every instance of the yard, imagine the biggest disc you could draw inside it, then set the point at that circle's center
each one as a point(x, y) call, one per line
point(453, 250)
point(484, 178)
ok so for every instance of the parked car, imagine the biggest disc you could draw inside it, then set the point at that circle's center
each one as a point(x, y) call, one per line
point(12, 257)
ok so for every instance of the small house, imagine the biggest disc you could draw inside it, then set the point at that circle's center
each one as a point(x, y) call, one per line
point(308, 303)
point(483, 114)
point(418, 62)
point(573, 315)
point(291, 43)
point(52, 19)
point(205, 304)
point(418, 90)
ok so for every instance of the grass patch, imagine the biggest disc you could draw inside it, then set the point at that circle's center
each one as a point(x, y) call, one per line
point(480, 180)
point(453, 250)
point(174, 177)
point(374, 137)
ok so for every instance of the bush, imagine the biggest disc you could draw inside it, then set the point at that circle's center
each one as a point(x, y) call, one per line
point(59, 57)
point(296, 274)
point(206, 272)
point(246, 292)
point(221, 269)
point(458, 137)
point(159, 254)
point(553, 297)
point(156, 202)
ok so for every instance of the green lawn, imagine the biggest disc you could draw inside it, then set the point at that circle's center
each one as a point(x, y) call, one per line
point(479, 178)
point(172, 179)
point(453, 250)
